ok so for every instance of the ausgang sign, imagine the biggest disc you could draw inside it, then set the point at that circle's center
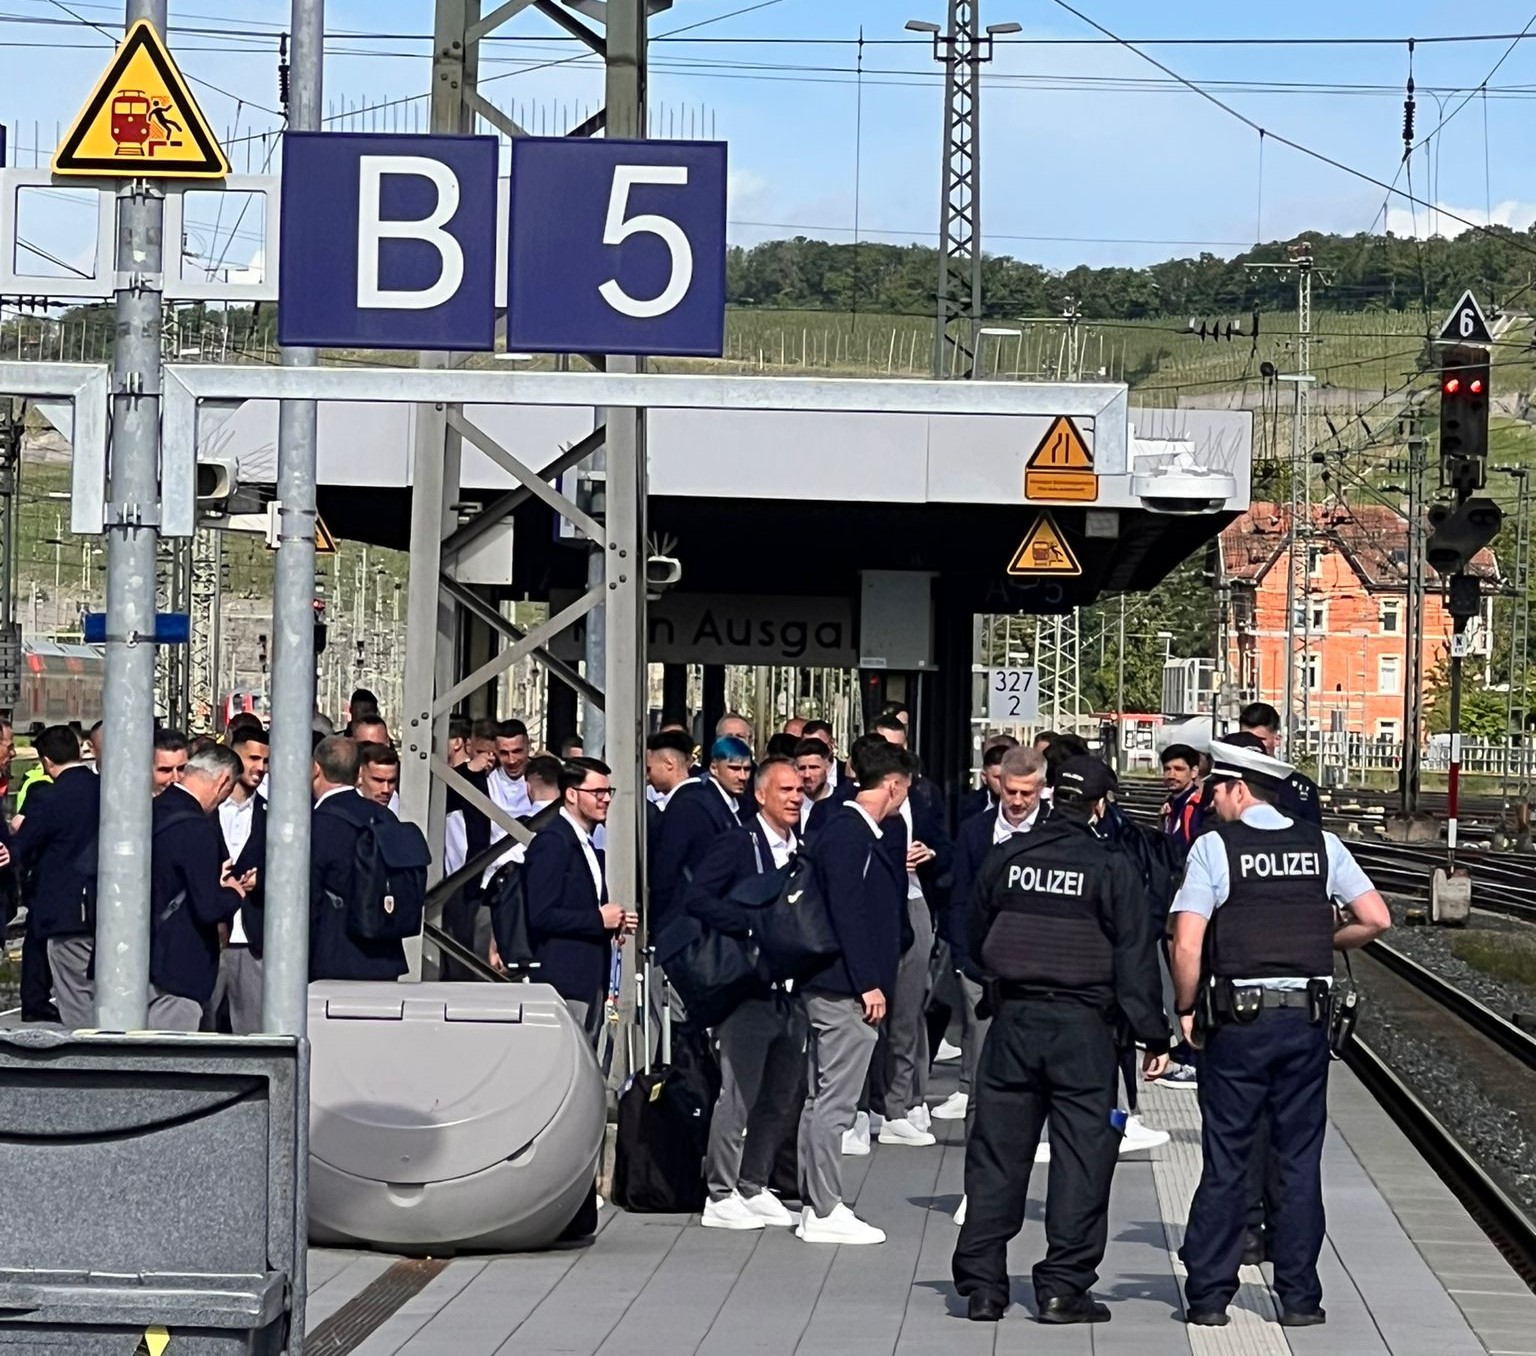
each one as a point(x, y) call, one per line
point(697, 628)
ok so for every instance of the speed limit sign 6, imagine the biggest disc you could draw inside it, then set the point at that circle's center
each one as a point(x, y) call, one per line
point(617, 247)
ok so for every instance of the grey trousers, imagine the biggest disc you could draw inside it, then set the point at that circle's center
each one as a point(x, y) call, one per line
point(838, 1048)
point(171, 1012)
point(589, 1017)
point(973, 1035)
point(74, 992)
point(239, 981)
point(906, 1023)
point(762, 1046)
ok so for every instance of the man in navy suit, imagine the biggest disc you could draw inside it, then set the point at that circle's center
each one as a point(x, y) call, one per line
point(339, 817)
point(571, 922)
point(243, 822)
point(761, 1042)
point(865, 895)
point(57, 841)
point(192, 893)
point(987, 795)
point(698, 813)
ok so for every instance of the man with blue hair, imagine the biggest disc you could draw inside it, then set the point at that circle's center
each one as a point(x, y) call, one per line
point(698, 813)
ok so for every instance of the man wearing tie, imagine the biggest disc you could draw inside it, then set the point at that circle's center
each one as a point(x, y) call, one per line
point(572, 923)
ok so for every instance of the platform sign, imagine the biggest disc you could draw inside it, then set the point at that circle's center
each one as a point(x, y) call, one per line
point(388, 241)
point(1044, 551)
point(1013, 696)
point(617, 247)
point(141, 120)
point(1060, 470)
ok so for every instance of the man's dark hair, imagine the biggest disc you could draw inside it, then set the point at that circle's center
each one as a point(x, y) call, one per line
point(1259, 716)
point(362, 700)
point(816, 727)
point(544, 769)
point(877, 760)
point(169, 740)
point(485, 728)
point(675, 740)
point(364, 718)
point(889, 720)
point(511, 729)
point(198, 743)
point(1181, 753)
point(58, 744)
point(894, 709)
point(336, 756)
point(571, 741)
point(995, 754)
point(242, 720)
point(371, 752)
point(574, 771)
point(813, 748)
point(782, 745)
point(673, 718)
point(1062, 748)
point(248, 734)
point(998, 741)
point(95, 727)
point(460, 727)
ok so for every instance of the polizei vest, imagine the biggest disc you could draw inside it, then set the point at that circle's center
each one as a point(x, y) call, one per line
point(1048, 931)
point(1277, 920)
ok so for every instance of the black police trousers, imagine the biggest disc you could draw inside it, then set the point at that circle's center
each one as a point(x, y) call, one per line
point(1041, 1059)
point(1274, 1067)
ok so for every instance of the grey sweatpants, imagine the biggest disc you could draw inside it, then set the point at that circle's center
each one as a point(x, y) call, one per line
point(172, 1012)
point(239, 981)
point(74, 992)
point(762, 1046)
point(838, 1048)
point(906, 1022)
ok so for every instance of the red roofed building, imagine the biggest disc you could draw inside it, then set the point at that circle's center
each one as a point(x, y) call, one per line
point(1349, 675)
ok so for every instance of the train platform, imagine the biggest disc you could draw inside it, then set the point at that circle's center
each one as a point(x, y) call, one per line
point(1406, 1272)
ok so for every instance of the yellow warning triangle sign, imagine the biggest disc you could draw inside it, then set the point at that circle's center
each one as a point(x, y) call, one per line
point(153, 1343)
point(1062, 448)
point(141, 120)
point(1044, 551)
point(325, 542)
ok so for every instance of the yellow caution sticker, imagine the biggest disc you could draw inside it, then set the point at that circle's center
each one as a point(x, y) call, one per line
point(153, 1343)
point(1061, 466)
point(1044, 550)
point(141, 120)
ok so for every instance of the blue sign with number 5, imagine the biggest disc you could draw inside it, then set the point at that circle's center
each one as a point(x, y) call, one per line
point(617, 247)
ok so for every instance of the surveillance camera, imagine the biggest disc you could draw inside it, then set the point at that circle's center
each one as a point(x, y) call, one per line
point(1184, 489)
point(661, 573)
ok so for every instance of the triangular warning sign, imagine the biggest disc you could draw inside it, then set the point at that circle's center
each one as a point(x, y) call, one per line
point(1044, 550)
point(153, 1343)
point(1062, 449)
point(1466, 324)
point(325, 542)
point(141, 120)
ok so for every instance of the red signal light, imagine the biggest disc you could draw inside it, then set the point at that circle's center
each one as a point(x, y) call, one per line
point(1475, 386)
point(1452, 386)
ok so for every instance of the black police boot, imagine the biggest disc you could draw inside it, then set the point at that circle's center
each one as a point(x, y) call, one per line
point(1207, 1318)
point(1255, 1247)
point(1073, 1309)
point(1304, 1319)
point(984, 1308)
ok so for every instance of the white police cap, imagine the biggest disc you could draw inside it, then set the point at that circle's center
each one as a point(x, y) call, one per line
point(1236, 759)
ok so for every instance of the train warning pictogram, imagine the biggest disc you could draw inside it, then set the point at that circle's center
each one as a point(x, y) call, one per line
point(1044, 551)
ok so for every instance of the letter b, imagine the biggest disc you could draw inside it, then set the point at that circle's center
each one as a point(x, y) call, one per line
point(372, 230)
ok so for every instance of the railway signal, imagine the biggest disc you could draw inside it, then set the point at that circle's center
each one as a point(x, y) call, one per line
point(1464, 387)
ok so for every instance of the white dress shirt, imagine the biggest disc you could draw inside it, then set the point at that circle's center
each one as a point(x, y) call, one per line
point(782, 848)
point(509, 794)
point(1002, 831)
point(455, 842)
point(585, 839)
point(235, 819)
point(516, 852)
point(914, 886)
point(726, 796)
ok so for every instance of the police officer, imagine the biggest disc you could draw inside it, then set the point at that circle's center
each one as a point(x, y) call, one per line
point(1061, 933)
point(1254, 932)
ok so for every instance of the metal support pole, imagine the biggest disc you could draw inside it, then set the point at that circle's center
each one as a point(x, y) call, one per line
point(133, 513)
point(1453, 772)
point(285, 974)
point(962, 48)
point(1296, 561)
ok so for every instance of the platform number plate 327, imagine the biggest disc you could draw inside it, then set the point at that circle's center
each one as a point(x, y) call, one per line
point(1013, 696)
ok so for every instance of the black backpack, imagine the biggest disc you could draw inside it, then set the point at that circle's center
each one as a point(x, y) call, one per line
point(507, 899)
point(663, 1131)
point(388, 898)
point(790, 921)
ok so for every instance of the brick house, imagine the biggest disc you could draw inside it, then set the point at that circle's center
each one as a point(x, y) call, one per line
point(1355, 596)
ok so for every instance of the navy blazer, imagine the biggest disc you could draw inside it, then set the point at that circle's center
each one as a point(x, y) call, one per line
point(696, 815)
point(57, 843)
point(928, 827)
point(735, 856)
point(334, 953)
point(571, 946)
point(187, 902)
point(974, 802)
point(972, 844)
point(254, 856)
point(866, 898)
point(822, 811)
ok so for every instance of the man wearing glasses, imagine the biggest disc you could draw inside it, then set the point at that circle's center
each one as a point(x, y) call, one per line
point(572, 923)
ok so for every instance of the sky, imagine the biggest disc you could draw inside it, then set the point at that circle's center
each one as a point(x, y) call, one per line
point(1090, 153)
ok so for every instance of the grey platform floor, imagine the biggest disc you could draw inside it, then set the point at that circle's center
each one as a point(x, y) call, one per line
point(1406, 1272)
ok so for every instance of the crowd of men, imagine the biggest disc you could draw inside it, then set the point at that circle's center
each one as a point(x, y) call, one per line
point(1052, 934)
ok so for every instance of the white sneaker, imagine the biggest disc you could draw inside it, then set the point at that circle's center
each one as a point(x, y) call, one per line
point(841, 1226)
point(1138, 1136)
point(952, 1108)
point(947, 1052)
point(901, 1131)
point(770, 1209)
point(853, 1146)
point(731, 1213)
point(873, 1120)
point(920, 1117)
point(1043, 1151)
point(960, 1213)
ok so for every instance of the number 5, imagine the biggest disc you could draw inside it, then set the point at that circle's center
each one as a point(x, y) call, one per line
point(618, 229)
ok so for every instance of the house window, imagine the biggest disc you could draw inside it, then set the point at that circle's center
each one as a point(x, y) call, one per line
point(1386, 729)
point(1315, 561)
point(1317, 617)
point(1312, 672)
point(1389, 674)
point(1391, 616)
